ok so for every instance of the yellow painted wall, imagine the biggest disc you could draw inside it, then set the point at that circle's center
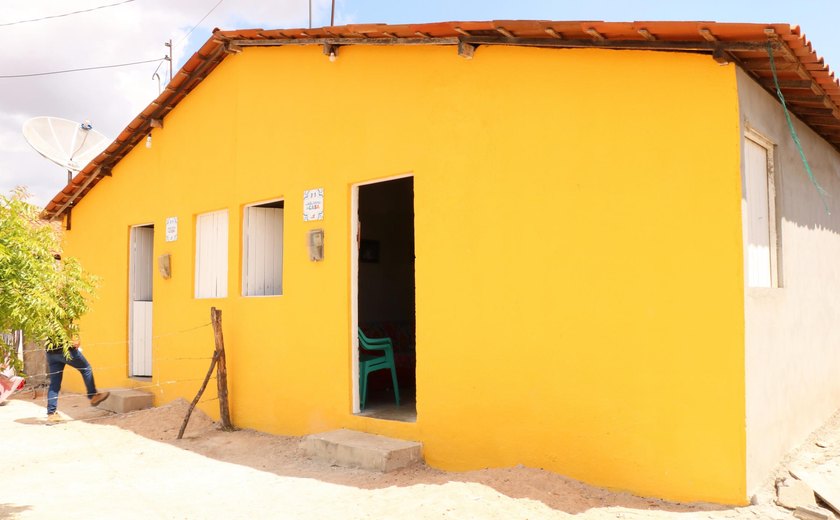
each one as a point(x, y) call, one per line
point(578, 274)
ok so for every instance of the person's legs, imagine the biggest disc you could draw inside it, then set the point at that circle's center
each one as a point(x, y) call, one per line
point(55, 368)
point(78, 361)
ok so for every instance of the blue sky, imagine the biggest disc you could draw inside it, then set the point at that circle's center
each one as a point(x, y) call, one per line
point(818, 18)
point(136, 30)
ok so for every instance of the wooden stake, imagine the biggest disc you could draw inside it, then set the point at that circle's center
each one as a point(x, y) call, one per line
point(221, 370)
point(218, 362)
point(198, 395)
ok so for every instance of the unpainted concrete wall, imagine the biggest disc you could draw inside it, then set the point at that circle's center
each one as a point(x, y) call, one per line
point(792, 337)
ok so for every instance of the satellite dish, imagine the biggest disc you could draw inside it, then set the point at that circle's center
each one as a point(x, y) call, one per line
point(64, 142)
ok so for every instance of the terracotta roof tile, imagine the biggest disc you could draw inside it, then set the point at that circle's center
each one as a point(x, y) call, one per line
point(744, 44)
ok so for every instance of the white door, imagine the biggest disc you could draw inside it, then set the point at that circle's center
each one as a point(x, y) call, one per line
point(211, 255)
point(140, 301)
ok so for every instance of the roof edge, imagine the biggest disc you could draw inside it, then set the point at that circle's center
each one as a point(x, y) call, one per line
point(805, 79)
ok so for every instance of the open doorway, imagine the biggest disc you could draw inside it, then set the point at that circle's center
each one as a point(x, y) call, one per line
point(384, 263)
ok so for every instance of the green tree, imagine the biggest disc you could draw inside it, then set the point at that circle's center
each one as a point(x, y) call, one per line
point(40, 295)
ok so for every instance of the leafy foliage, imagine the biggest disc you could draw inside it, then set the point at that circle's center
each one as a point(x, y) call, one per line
point(39, 295)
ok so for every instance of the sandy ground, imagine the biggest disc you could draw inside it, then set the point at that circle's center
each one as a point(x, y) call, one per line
point(102, 465)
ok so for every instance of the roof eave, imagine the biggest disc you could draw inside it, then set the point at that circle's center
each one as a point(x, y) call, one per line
point(804, 79)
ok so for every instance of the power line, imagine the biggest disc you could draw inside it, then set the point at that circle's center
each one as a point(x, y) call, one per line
point(199, 22)
point(9, 76)
point(172, 47)
point(65, 14)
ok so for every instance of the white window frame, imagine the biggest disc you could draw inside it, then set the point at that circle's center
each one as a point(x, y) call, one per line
point(769, 146)
point(255, 255)
point(211, 254)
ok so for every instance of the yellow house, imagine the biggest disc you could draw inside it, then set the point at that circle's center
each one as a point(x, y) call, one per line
point(595, 246)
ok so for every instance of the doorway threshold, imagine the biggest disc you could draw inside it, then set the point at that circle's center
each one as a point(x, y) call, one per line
point(389, 411)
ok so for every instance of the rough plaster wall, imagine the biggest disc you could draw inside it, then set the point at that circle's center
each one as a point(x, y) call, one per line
point(608, 253)
point(792, 337)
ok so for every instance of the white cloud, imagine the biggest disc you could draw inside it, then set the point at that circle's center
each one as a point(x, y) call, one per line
point(11, 140)
point(110, 98)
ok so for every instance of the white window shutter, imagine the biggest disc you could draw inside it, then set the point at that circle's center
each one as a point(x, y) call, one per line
point(263, 251)
point(211, 253)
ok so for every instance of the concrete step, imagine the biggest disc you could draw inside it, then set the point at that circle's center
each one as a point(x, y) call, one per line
point(124, 400)
point(354, 449)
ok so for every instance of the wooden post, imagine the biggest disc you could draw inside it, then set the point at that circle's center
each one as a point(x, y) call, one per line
point(221, 376)
point(198, 395)
point(221, 369)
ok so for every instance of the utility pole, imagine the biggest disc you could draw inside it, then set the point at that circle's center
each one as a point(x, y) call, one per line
point(332, 14)
point(310, 14)
point(169, 58)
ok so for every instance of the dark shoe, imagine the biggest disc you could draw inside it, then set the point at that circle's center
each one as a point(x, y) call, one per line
point(98, 398)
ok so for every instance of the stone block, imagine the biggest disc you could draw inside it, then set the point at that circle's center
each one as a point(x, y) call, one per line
point(354, 449)
point(792, 493)
point(813, 513)
point(124, 400)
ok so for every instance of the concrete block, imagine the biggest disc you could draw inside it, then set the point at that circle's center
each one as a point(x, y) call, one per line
point(813, 513)
point(354, 449)
point(792, 493)
point(124, 400)
point(822, 480)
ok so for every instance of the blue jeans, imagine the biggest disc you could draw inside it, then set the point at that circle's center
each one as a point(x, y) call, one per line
point(55, 363)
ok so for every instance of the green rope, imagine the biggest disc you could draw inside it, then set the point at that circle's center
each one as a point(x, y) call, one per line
point(822, 193)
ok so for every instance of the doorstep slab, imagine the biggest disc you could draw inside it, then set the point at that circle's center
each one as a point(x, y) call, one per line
point(124, 400)
point(354, 449)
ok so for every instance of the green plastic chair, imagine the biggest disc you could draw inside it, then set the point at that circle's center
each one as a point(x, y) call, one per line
point(371, 359)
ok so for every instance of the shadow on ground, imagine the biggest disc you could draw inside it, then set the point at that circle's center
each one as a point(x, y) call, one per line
point(9, 511)
point(282, 456)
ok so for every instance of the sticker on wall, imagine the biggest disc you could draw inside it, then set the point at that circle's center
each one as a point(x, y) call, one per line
point(313, 204)
point(171, 229)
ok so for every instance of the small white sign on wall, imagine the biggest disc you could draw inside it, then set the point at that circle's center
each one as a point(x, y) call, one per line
point(313, 204)
point(171, 229)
